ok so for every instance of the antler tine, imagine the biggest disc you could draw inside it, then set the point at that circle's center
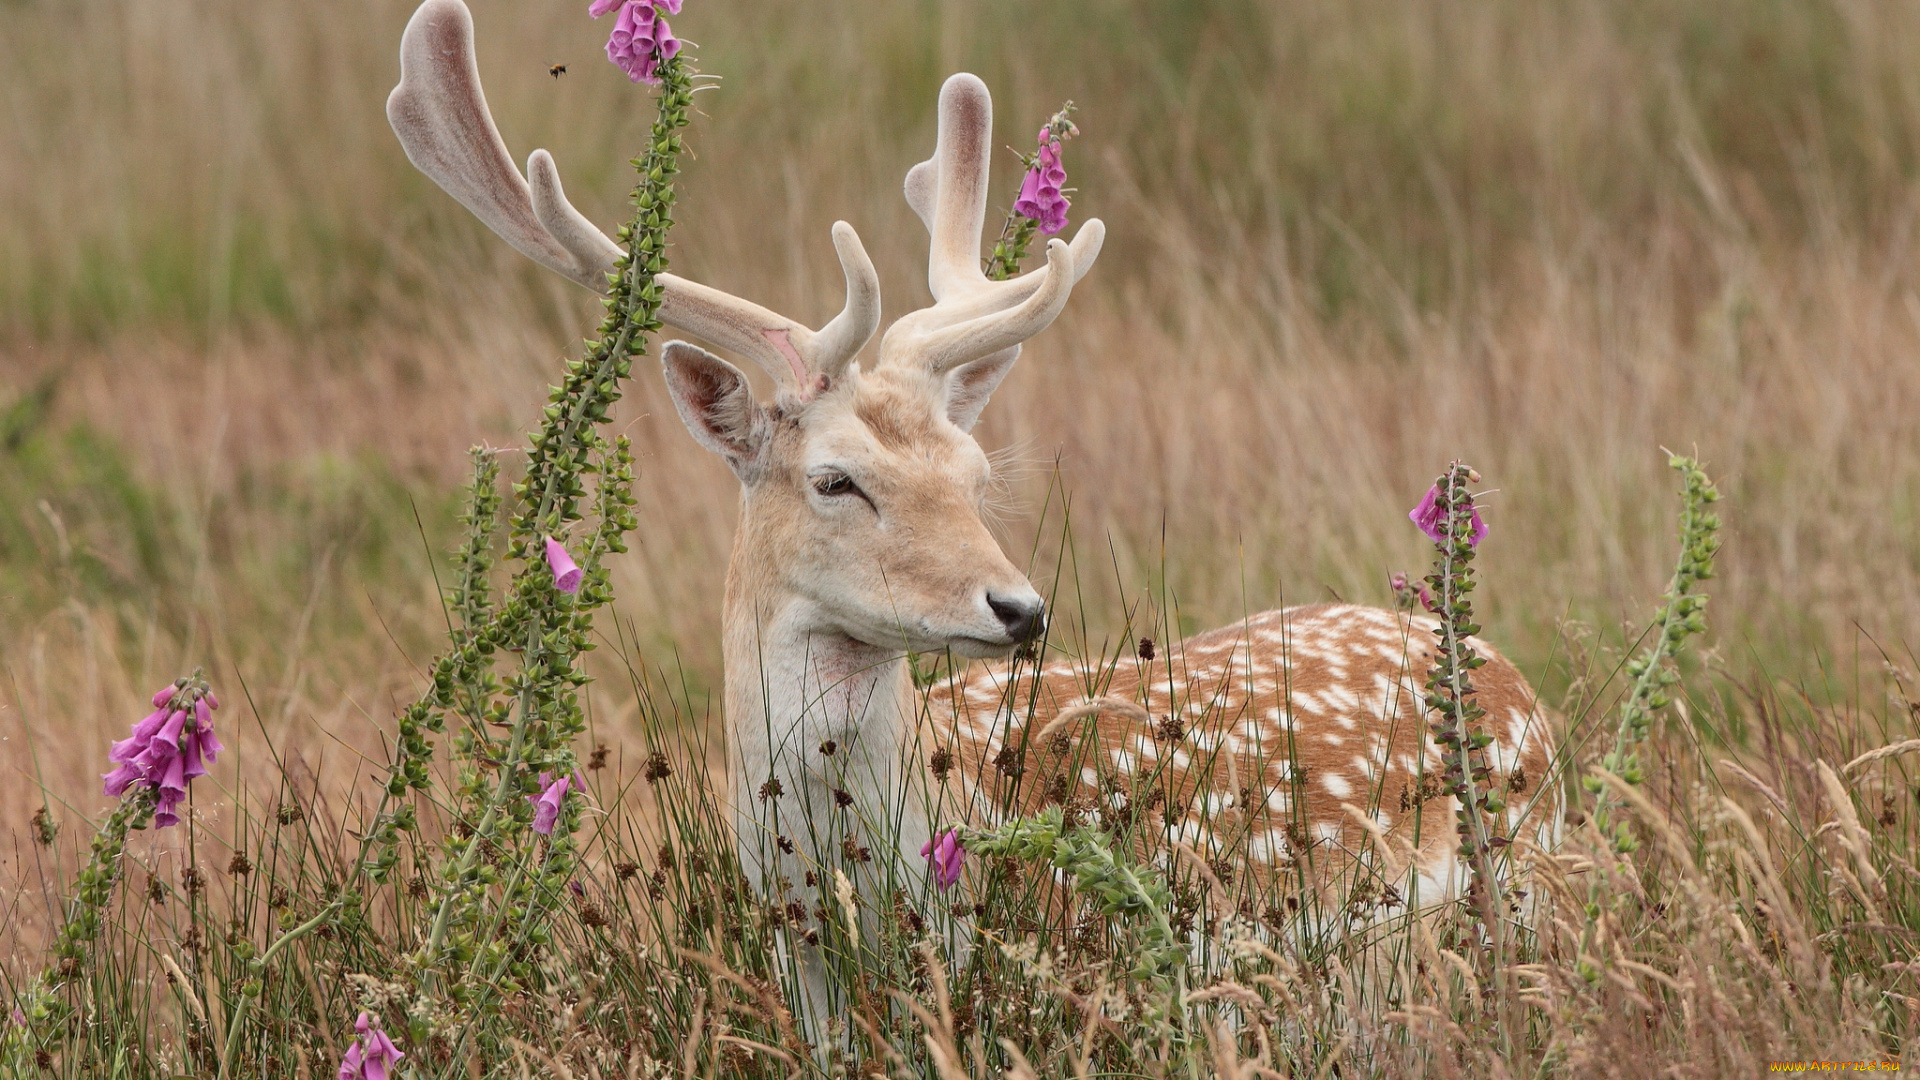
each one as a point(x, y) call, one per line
point(947, 274)
point(787, 350)
point(989, 296)
point(441, 117)
point(842, 337)
point(568, 226)
point(959, 207)
point(973, 317)
point(946, 347)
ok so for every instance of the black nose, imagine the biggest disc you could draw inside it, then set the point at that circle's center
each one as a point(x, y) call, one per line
point(1025, 619)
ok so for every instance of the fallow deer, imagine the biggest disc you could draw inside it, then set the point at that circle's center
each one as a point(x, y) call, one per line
point(1296, 738)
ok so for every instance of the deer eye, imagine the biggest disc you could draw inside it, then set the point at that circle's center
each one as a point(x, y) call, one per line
point(834, 483)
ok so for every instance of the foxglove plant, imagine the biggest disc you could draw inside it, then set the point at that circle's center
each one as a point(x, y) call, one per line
point(509, 859)
point(169, 749)
point(1681, 616)
point(166, 751)
point(547, 804)
point(946, 854)
point(372, 1056)
point(641, 40)
point(1448, 516)
point(566, 574)
point(1041, 198)
point(567, 447)
point(1430, 517)
point(1409, 594)
point(1042, 203)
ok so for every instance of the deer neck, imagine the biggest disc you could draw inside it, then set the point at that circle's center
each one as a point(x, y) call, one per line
point(794, 683)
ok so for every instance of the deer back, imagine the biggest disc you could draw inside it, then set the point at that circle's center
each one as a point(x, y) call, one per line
point(1293, 743)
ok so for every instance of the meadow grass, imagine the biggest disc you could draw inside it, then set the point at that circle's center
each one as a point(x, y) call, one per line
point(245, 348)
point(1751, 901)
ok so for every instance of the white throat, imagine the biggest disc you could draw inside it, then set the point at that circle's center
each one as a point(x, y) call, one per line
point(815, 718)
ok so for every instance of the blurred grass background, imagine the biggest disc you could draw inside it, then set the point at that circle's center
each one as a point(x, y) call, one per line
point(243, 345)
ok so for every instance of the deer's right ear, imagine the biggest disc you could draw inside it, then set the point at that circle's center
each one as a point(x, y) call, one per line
point(715, 402)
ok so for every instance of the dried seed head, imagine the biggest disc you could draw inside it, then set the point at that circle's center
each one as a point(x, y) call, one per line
point(289, 813)
point(1146, 648)
point(239, 865)
point(841, 798)
point(772, 789)
point(1011, 763)
point(941, 763)
point(657, 768)
point(829, 748)
point(193, 880)
point(1058, 788)
point(665, 857)
point(598, 760)
point(625, 871)
point(45, 826)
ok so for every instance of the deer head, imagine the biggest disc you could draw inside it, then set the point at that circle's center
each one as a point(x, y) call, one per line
point(863, 491)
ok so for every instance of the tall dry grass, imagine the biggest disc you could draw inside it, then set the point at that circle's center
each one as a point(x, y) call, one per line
point(243, 347)
point(1349, 242)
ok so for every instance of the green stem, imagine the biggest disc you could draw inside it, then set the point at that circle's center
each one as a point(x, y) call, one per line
point(248, 990)
point(1449, 693)
point(557, 456)
point(94, 887)
point(1016, 235)
point(1681, 617)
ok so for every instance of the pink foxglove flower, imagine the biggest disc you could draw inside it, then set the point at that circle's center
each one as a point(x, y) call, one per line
point(1433, 521)
point(566, 576)
point(641, 39)
point(1040, 196)
point(372, 1056)
point(546, 805)
point(946, 855)
point(1407, 591)
point(167, 750)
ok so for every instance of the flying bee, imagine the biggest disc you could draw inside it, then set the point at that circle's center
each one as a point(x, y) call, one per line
point(557, 70)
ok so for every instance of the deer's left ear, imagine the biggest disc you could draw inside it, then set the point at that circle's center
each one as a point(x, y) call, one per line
point(972, 383)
